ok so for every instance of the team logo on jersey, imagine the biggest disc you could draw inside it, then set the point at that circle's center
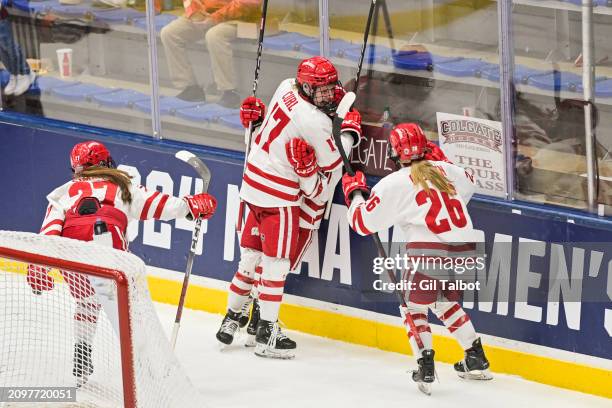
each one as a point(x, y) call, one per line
point(463, 130)
point(255, 231)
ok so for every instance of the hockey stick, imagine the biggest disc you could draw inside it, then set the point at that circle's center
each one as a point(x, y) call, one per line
point(204, 174)
point(366, 34)
point(248, 132)
point(342, 110)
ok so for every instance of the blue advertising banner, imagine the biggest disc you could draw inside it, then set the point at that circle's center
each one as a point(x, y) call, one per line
point(547, 281)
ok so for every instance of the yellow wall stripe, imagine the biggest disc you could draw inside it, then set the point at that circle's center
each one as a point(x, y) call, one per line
point(387, 337)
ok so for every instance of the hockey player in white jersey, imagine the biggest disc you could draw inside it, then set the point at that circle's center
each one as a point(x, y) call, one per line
point(427, 198)
point(291, 172)
point(98, 202)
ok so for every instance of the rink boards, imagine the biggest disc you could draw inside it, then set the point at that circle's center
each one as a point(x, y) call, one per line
point(557, 336)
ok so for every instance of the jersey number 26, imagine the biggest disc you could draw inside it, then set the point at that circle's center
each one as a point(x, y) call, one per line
point(453, 207)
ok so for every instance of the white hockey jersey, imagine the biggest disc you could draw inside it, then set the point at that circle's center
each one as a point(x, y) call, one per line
point(424, 218)
point(145, 204)
point(269, 180)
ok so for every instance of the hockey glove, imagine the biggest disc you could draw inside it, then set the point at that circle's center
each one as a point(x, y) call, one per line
point(350, 184)
point(352, 123)
point(201, 205)
point(252, 110)
point(39, 280)
point(435, 153)
point(301, 157)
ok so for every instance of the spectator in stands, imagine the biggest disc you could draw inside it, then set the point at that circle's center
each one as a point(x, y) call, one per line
point(216, 21)
point(12, 57)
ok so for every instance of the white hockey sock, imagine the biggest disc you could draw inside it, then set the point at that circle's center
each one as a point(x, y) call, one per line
point(240, 288)
point(255, 289)
point(272, 286)
point(458, 323)
point(418, 313)
point(86, 319)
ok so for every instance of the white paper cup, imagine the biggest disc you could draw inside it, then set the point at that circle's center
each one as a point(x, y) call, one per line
point(64, 61)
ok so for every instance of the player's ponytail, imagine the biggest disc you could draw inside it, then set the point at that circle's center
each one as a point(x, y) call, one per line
point(422, 171)
point(118, 177)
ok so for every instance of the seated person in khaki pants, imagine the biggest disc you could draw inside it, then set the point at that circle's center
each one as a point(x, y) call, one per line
point(216, 21)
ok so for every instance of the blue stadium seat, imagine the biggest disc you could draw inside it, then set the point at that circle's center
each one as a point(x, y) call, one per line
point(4, 77)
point(461, 68)
point(413, 60)
point(117, 16)
point(556, 81)
point(380, 55)
point(167, 105)
point(46, 84)
point(232, 121)
point(336, 47)
point(70, 10)
point(603, 89)
point(161, 21)
point(205, 113)
point(522, 74)
point(286, 41)
point(79, 92)
point(33, 6)
point(121, 98)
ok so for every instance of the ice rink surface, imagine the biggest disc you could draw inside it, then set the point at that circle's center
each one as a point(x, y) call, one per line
point(328, 373)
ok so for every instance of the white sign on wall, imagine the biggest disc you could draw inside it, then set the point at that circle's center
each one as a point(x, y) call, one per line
point(476, 145)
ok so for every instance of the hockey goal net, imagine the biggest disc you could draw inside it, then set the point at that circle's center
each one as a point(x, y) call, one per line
point(91, 327)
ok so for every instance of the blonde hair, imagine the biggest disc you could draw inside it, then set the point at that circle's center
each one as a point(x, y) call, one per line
point(423, 171)
point(118, 177)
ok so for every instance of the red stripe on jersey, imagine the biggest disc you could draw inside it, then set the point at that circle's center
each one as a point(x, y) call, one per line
point(358, 223)
point(315, 207)
point(160, 206)
point(333, 165)
point(273, 284)
point(287, 233)
point(147, 204)
point(244, 278)
point(269, 190)
point(272, 177)
point(450, 312)
point(270, 298)
point(418, 316)
point(439, 245)
point(49, 207)
point(238, 291)
point(54, 222)
point(458, 323)
point(53, 232)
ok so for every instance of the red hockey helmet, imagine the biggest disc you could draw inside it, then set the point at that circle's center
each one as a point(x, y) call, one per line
point(407, 142)
point(90, 153)
point(316, 72)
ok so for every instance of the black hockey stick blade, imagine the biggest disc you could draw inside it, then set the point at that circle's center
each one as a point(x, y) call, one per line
point(198, 165)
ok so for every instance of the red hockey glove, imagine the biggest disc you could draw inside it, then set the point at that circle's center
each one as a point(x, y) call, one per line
point(201, 205)
point(252, 110)
point(39, 280)
point(339, 93)
point(435, 153)
point(301, 157)
point(350, 184)
point(352, 123)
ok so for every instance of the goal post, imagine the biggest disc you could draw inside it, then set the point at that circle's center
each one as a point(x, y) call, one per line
point(91, 326)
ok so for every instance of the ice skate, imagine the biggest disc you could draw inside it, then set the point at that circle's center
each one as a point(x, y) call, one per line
point(475, 365)
point(426, 372)
point(83, 366)
point(271, 342)
point(252, 327)
point(228, 328)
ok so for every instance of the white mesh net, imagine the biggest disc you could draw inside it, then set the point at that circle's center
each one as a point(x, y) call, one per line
point(46, 339)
